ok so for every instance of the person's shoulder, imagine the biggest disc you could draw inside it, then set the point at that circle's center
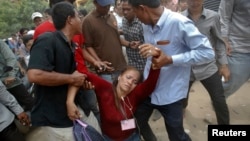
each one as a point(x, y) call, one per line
point(46, 37)
point(210, 12)
point(90, 16)
point(175, 18)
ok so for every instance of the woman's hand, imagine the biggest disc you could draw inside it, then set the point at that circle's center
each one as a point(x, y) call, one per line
point(73, 112)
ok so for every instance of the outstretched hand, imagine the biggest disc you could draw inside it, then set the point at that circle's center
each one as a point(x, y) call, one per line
point(159, 58)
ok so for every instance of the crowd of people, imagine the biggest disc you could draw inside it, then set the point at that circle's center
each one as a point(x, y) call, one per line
point(115, 68)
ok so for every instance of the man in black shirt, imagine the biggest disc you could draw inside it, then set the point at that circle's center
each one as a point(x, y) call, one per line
point(52, 69)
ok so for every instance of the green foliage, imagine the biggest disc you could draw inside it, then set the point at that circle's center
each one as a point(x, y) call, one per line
point(88, 6)
point(15, 14)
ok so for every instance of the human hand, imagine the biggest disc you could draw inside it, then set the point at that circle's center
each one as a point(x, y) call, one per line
point(9, 80)
point(160, 61)
point(135, 44)
point(147, 50)
point(72, 110)
point(88, 85)
point(78, 78)
point(104, 66)
point(24, 119)
point(225, 72)
point(228, 46)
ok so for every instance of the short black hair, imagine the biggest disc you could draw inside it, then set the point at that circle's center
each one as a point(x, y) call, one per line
point(48, 11)
point(60, 13)
point(21, 31)
point(83, 12)
point(26, 38)
point(148, 3)
point(53, 2)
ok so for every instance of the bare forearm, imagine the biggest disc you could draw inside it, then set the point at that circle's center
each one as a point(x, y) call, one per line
point(72, 91)
point(92, 52)
point(48, 78)
point(87, 56)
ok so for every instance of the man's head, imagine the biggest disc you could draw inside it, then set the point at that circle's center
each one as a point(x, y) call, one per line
point(127, 10)
point(53, 2)
point(64, 14)
point(37, 18)
point(195, 4)
point(143, 9)
point(103, 6)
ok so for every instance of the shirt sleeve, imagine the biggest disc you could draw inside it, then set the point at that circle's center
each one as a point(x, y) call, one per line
point(145, 88)
point(225, 12)
point(42, 54)
point(9, 100)
point(198, 48)
point(9, 59)
point(220, 47)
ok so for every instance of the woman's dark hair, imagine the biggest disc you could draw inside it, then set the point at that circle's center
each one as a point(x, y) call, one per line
point(21, 31)
point(115, 82)
point(60, 13)
point(26, 38)
point(148, 3)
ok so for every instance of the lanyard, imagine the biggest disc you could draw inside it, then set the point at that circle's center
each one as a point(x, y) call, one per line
point(123, 108)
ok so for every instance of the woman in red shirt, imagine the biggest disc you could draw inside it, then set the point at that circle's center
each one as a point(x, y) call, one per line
point(118, 101)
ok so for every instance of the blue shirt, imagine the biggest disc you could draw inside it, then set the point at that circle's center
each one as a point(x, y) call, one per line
point(187, 47)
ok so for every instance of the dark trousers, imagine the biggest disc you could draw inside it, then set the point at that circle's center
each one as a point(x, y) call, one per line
point(11, 133)
point(88, 102)
point(22, 96)
point(214, 87)
point(173, 118)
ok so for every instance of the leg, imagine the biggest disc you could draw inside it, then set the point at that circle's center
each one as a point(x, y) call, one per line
point(23, 97)
point(11, 133)
point(239, 72)
point(173, 118)
point(142, 116)
point(214, 87)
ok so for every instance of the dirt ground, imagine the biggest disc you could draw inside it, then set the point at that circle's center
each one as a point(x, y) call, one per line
point(200, 108)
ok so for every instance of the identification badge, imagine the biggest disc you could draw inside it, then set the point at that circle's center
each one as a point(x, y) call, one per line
point(128, 124)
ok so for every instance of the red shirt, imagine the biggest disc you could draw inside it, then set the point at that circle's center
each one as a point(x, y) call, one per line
point(48, 26)
point(80, 64)
point(110, 116)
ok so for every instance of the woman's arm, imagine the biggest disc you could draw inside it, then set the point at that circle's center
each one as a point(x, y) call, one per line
point(72, 110)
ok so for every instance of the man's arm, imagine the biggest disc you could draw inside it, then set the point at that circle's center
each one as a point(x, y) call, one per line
point(220, 49)
point(9, 101)
point(225, 12)
point(54, 79)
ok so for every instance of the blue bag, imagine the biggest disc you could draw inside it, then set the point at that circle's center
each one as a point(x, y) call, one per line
point(85, 132)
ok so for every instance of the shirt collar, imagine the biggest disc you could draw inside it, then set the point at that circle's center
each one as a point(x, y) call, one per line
point(98, 15)
point(163, 18)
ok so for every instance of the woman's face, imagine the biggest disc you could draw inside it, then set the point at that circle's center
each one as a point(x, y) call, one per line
point(128, 81)
point(29, 44)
